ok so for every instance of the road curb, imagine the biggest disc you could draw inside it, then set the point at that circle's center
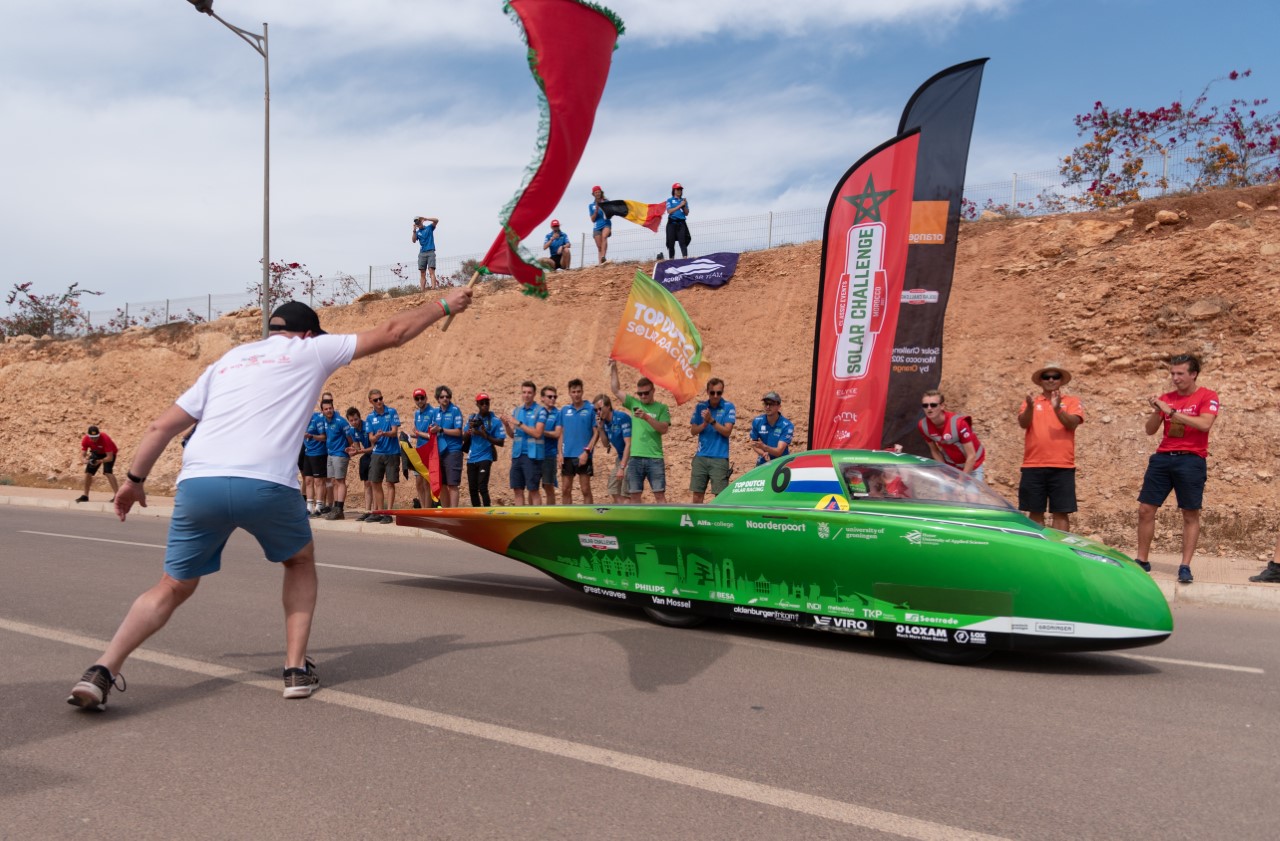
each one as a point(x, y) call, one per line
point(1256, 596)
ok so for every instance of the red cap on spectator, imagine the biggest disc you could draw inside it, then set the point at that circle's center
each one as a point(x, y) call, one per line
point(555, 223)
point(418, 392)
point(481, 397)
point(597, 189)
point(677, 186)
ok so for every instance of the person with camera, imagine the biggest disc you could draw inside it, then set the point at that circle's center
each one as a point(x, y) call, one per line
point(482, 435)
point(557, 244)
point(424, 234)
point(98, 450)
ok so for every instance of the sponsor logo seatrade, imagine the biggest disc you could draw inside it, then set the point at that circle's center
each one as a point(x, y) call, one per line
point(921, 618)
point(777, 526)
point(598, 541)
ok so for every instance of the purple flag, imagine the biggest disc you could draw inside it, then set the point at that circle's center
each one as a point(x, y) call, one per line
point(709, 270)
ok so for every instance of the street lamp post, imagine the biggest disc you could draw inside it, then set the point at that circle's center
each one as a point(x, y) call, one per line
point(259, 44)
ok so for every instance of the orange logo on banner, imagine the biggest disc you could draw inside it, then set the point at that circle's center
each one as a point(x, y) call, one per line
point(928, 222)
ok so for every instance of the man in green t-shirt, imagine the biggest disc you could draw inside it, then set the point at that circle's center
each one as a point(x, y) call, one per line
point(651, 420)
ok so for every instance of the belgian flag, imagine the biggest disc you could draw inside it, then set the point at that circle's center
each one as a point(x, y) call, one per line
point(648, 215)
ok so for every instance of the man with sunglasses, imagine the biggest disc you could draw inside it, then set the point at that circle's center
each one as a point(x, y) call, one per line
point(383, 425)
point(1179, 464)
point(424, 415)
point(950, 436)
point(712, 423)
point(1049, 453)
point(651, 420)
point(771, 433)
point(447, 426)
point(252, 405)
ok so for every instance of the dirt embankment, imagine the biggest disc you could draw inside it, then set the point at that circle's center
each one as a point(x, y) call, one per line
point(1107, 295)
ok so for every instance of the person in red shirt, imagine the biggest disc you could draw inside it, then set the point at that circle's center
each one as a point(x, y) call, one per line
point(950, 436)
point(1049, 455)
point(1186, 414)
point(98, 450)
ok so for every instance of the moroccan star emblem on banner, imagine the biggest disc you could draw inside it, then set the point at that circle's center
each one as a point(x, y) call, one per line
point(867, 203)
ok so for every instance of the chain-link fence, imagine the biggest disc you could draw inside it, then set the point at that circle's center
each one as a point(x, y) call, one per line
point(1025, 194)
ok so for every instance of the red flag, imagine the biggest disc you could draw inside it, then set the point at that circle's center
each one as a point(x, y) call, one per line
point(571, 45)
point(864, 255)
point(430, 455)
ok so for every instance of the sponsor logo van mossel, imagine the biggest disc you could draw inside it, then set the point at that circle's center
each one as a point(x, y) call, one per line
point(598, 541)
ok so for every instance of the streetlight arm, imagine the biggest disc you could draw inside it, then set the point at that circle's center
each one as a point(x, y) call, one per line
point(253, 40)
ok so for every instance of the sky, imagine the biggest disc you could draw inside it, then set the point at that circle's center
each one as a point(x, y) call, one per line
point(131, 133)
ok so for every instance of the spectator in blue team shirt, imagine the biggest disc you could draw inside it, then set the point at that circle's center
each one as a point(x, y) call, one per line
point(524, 427)
point(424, 234)
point(615, 426)
point(712, 423)
point(771, 432)
point(578, 435)
point(338, 436)
point(383, 425)
point(315, 460)
point(557, 243)
point(677, 222)
point(551, 442)
point(483, 433)
point(424, 415)
point(447, 426)
point(361, 447)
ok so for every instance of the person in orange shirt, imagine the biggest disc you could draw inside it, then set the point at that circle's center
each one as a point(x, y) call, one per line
point(1049, 455)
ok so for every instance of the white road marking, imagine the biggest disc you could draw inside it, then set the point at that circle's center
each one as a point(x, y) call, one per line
point(1198, 664)
point(453, 578)
point(98, 539)
point(681, 775)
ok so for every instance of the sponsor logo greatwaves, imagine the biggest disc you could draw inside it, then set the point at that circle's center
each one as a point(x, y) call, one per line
point(600, 591)
point(1063, 628)
point(598, 541)
point(776, 526)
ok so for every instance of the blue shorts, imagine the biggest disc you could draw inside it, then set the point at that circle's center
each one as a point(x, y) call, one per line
point(640, 468)
point(526, 473)
point(208, 509)
point(1182, 473)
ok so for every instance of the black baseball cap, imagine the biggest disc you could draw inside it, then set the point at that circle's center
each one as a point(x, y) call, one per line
point(297, 317)
point(93, 432)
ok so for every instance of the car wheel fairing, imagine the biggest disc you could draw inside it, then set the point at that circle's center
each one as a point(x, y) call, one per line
point(674, 618)
point(954, 655)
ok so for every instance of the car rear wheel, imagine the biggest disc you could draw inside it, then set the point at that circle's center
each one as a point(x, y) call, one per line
point(674, 618)
point(953, 655)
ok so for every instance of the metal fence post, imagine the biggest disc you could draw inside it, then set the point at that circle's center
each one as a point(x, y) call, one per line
point(166, 310)
point(126, 313)
point(209, 315)
point(371, 278)
point(770, 238)
point(1013, 197)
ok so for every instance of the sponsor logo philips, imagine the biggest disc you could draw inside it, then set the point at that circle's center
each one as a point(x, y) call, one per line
point(1065, 628)
point(600, 591)
point(772, 526)
point(650, 588)
point(913, 632)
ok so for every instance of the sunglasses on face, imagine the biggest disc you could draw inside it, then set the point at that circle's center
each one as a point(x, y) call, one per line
point(1050, 376)
point(643, 393)
point(375, 399)
point(931, 405)
point(715, 393)
point(420, 398)
point(771, 403)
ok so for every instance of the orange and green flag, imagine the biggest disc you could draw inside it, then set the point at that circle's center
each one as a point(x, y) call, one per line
point(657, 337)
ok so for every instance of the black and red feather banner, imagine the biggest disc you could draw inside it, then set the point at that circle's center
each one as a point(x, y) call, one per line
point(943, 109)
point(571, 46)
point(864, 256)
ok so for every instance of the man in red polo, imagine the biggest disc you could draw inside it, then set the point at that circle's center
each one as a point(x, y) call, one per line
point(950, 436)
point(98, 450)
point(1186, 413)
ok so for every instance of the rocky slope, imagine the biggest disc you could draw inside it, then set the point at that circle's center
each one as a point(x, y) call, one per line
point(1107, 295)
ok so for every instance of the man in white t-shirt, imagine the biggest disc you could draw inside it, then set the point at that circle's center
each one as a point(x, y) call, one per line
point(253, 406)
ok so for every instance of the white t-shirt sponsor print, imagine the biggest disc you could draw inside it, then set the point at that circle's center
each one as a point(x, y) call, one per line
point(253, 406)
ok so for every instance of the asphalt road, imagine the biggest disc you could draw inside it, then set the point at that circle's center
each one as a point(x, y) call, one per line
point(466, 696)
